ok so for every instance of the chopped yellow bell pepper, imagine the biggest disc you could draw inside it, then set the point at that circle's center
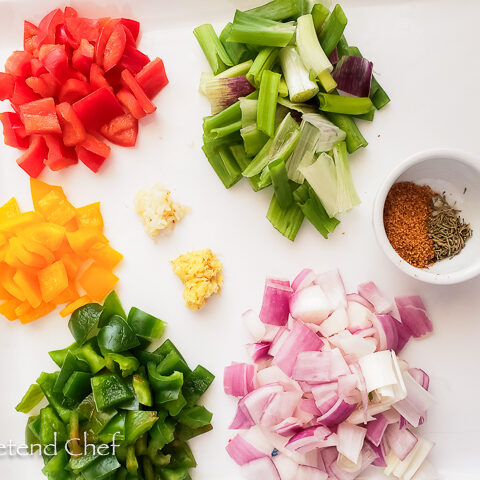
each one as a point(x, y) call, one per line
point(71, 307)
point(50, 235)
point(7, 309)
point(81, 240)
point(29, 285)
point(56, 209)
point(90, 216)
point(39, 189)
point(105, 255)
point(53, 281)
point(9, 210)
point(97, 281)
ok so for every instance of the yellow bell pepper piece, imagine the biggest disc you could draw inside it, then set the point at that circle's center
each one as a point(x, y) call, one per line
point(6, 281)
point(39, 189)
point(97, 281)
point(53, 281)
point(7, 309)
point(22, 309)
point(90, 216)
point(81, 240)
point(68, 295)
point(30, 287)
point(50, 235)
point(105, 255)
point(38, 249)
point(70, 308)
point(56, 209)
point(9, 210)
point(37, 313)
point(12, 225)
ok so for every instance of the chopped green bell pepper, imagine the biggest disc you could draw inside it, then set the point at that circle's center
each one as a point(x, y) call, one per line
point(71, 364)
point(52, 429)
point(182, 456)
point(127, 364)
point(31, 399)
point(145, 325)
point(163, 431)
point(90, 354)
point(166, 388)
point(111, 306)
point(84, 322)
point(109, 390)
point(141, 444)
point(131, 463)
point(78, 464)
point(78, 386)
point(57, 401)
point(102, 468)
point(156, 456)
point(148, 469)
point(196, 384)
point(132, 404)
point(142, 390)
point(138, 423)
point(115, 428)
point(32, 433)
point(116, 336)
point(173, 362)
point(146, 357)
point(174, 407)
point(175, 474)
point(186, 433)
point(195, 417)
point(55, 468)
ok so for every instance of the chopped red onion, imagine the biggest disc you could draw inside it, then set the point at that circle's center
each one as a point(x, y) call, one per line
point(275, 306)
point(304, 279)
point(242, 451)
point(311, 438)
point(306, 472)
point(313, 367)
point(337, 414)
point(241, 421)
point(420, 376)
point(401, 440)
point(376, 428)
point(238, 379)
point(288, 427)
point(350, 440)
point(332, 285)
point(259, 351)
point(262, 468)
point(310, 305)
point(413, 315)
point(253, 404)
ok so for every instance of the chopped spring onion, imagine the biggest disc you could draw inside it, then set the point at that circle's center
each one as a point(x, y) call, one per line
point(238, 70)
point(223, 92)
point(267, 102)
point(304, 152)
point(226, 130)
point(243, 161)
point(212, 48)
point(354, 75)
point(263, 61)
point(286, 220)
point(347, 197)
point(254, 30)
point(297, 107)
point(319, 13)
point(312, 54)
point(238, 52)
point(333, 29)
point(300, 87)
point(253, 138)
point(366, 116)
point(260, 160)
point(283, 88)
point(276, 10)
point(330, 134)
point(345, 105)
point(281, 184)
point(354, 138)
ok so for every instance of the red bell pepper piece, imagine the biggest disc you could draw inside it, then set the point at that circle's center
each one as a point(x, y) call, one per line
point(30, 37)
point(87, 28)
point(7, 83)
point(82, 57)
point(128, 100)
point(78, 75)
point(32, 160)
point(73, 90)
point(47, 27)
point(55, 59)
point(59, 156)
point(129, 81)
point(122, 130)
point(91, 160)
point(63, 37)
point(45, 85)
point(133, 60)
point(40, 116)
point(132, 25)
point(98, 108)
point(97, 79)
point(13, 130)
point(70, 12)
point(37, 67)
point(114, 77)
point(72, 128)
point(95, 145)
point(114, 47)
point(152, 78)
point(18, 64)
point(129, 37)
point(103, 37)
point(22, 93)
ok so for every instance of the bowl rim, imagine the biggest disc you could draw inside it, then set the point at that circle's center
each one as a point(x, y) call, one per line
point(420, 274)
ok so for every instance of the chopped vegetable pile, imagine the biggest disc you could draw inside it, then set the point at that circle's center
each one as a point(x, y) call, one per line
point(286, 91)
point(326, 395)
point(111, 390)
point(77, 79)
point(45, 253)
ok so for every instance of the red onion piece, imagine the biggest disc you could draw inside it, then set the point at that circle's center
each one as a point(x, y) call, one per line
point(420, 376)
point(243, 452)
point(401, 440)
point(306, 472)
point(238, 379)
point(370, 292)
point(275, 306)
point(304, 279)
point(332, 285)
point(376, 428)
point(262, 468)
point(413, 315)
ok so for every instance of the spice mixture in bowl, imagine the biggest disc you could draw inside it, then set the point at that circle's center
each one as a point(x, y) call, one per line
point(426, 219)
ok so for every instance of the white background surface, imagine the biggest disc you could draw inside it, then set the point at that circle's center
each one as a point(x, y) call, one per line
point(426, 56)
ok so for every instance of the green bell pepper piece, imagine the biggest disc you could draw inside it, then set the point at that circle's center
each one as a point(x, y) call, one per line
point(163, 431)
point(32, 433)
point(52, 429)
point(79, 464)
point(116, 426)
point(173, 362)
point(146, 357)
point(78, 386)
point(132, 404)
point(111, 306)
point(138, 423)
point(71, 364)
point(109, 390)
point(96, 420)
point(57, 401)
point(58, 356)
point(185, 433)
point(174, 407)
point(175, 474)
point(166, 347)
point(148, 469)
point(196, 384)
point(102, 468)
point(116, 336)
point(145, 325)
point(131, 463)
point(166, 388)
point(195, 417)
point(182, 456)
point(84, 322)
point(31, 399)
point(55, 468)
point(156, 456)
point(127, 364)
point(89, 353)
point(142, 390)
point(141, 445)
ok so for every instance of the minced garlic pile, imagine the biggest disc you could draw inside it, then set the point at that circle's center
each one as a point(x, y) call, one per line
point(201, 273)
point(157, 210)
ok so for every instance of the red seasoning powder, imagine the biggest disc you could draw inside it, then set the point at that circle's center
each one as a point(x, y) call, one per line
point(406, 213)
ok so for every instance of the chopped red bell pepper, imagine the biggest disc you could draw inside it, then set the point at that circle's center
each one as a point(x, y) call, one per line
point(129, 37)
point(72, 128)
point(128, 100)
point(7, 83)
point(70, 12)
point(87, 28)
point(22, 93)
point(63, 37)
point(114, 47)
point(132, 25)
point(73, 90)
point(47, 27)
point(98, 108)
point(40, 116)
point(133, 60)
point(30, 37)
point(55, 59)
point(122, 130)
point(97, 78)
point(78, 75)
point(18, 64)
point(13, 130)
point(152, 78)
point(114, 77)
point(32, 160)
point(90, 159)
point(45, 85)
point(82, 57)
point(37, 67)
point(103, 37)
point(59, 156)
point(95, 145)
point(130, 82)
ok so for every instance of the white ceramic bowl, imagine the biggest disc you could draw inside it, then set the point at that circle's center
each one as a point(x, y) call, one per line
point(451, 171)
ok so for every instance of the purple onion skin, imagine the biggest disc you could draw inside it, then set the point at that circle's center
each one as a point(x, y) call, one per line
point(354, 76)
